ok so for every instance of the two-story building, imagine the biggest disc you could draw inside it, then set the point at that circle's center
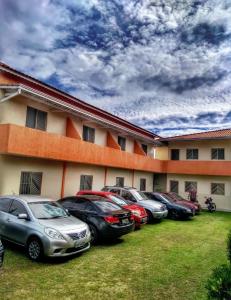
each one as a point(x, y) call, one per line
point(54, 144)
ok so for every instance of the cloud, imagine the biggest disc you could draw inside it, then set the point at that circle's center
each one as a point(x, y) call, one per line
point(164, 65)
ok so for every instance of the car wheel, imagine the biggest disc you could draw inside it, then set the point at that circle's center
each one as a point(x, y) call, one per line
point(94, 234)
point(174, 215)
point(150, 216)
point(34, 249)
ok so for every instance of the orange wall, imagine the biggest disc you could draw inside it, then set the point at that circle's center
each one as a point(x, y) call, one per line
point(19, 140)
point(25, 141)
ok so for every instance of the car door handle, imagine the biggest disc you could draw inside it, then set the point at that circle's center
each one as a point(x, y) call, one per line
point(8, 220)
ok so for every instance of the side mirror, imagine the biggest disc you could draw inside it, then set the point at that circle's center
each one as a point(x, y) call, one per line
point(23, 217)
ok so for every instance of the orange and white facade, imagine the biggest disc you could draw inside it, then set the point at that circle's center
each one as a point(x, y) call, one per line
point(54, 144)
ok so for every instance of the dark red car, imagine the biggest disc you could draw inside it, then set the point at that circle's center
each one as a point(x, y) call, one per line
point(180, 200)
point(138, 212)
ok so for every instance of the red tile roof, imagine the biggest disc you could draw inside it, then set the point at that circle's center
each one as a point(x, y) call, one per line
point(215, 134)
point(31, 82)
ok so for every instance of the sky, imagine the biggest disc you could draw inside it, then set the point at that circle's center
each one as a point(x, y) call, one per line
point(160, 64)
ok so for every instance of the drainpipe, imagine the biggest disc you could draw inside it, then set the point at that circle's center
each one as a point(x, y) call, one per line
point(10, 96)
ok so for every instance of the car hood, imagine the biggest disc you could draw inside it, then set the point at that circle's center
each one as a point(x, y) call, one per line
point(151, 203)
point(64, 224)
point(185, 203)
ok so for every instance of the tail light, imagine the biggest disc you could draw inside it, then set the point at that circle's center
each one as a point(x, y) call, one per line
point(132, 217)
point(112, 219)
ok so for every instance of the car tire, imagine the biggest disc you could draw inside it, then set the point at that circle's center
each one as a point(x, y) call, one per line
point(35, 249)
point(174, 215)
point(150, 217)
point(94, 234)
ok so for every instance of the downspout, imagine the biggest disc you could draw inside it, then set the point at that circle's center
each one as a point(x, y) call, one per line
point(10, 96)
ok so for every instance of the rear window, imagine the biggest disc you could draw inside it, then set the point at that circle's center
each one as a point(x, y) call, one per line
point(5, 204)
point(106, 206)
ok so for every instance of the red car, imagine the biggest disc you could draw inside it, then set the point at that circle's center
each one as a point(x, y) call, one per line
point(138, 212)
point(180, 200)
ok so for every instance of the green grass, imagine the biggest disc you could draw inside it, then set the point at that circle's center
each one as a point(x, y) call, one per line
point(170, 260)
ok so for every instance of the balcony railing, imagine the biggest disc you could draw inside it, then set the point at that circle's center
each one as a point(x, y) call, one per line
point(23, 141)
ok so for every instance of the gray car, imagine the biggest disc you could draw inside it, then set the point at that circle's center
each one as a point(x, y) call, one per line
point(42, 226)
point(154, 209)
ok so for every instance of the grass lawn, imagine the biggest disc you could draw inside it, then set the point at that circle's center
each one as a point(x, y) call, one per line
point(170, 260)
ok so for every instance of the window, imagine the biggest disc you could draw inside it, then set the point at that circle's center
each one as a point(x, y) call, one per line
point(36, 118)
point(218, 188)
point(142, 184)
point(88, 134)
point(190, 185)
point(120, 181)
point(5, 204)
point(192, 154)
point(175, 154)
point(218, 153)
point(17, 208)
point(128, 196)
point(145, 148)
point(174, 186)
point(30, 183)
point(122, 142)
point(86, 182)
point(115, 191)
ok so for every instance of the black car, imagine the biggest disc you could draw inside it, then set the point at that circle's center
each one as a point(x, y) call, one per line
point(1, 254)
point(175, 211)
point(105, 219)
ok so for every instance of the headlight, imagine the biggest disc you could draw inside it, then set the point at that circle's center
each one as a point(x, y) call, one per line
point(54, 234)
point(135, 212)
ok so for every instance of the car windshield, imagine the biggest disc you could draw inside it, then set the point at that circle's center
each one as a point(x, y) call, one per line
point(139, 195)
point(107, 206)
point(167, 197)
point(117, 199)
point(178, 197)
point(47, 210)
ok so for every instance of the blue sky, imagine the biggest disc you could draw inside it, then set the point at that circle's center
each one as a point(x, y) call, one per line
point(163, 65)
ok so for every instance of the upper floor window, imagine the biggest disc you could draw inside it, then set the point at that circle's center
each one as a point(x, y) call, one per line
point(122, 142)
point(120, 181)
point(88, 134)
point(218, 153)
point(192, 153)
point(175, 154)
point(86, 182)
point(36, 118)
point(145, 148)
point(30, 183)
point(218, 188)
point(142, 184)
point(174, 186)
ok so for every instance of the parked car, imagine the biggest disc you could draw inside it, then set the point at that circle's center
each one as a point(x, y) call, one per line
point(1, 254)
point(106, 220)
point(175, 210)
point(42, 226)
point(138, 212)
point(154, 209)
point(181, 200)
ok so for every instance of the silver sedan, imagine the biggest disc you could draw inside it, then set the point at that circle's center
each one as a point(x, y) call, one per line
point(42, 226)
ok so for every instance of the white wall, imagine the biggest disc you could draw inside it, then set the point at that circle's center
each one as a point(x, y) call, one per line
point(204, 188)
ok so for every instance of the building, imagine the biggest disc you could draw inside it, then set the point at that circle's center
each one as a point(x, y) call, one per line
point(54, 144)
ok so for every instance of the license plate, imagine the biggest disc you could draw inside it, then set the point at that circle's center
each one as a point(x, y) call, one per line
point(125, 221)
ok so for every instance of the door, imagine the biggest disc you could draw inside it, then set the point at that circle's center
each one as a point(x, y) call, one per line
point(17, 229)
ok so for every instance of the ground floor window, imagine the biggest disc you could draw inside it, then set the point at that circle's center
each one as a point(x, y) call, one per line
point(190, 185)
point(86, 182)
point(120, 181)
point(174, 186)
point(30, 183)
point(142, 184)
point(218, 188)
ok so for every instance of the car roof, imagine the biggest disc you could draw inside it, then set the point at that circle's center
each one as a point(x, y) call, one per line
point(87, 197)
point(120, 187)
point(28, 198)
point(97, 193)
